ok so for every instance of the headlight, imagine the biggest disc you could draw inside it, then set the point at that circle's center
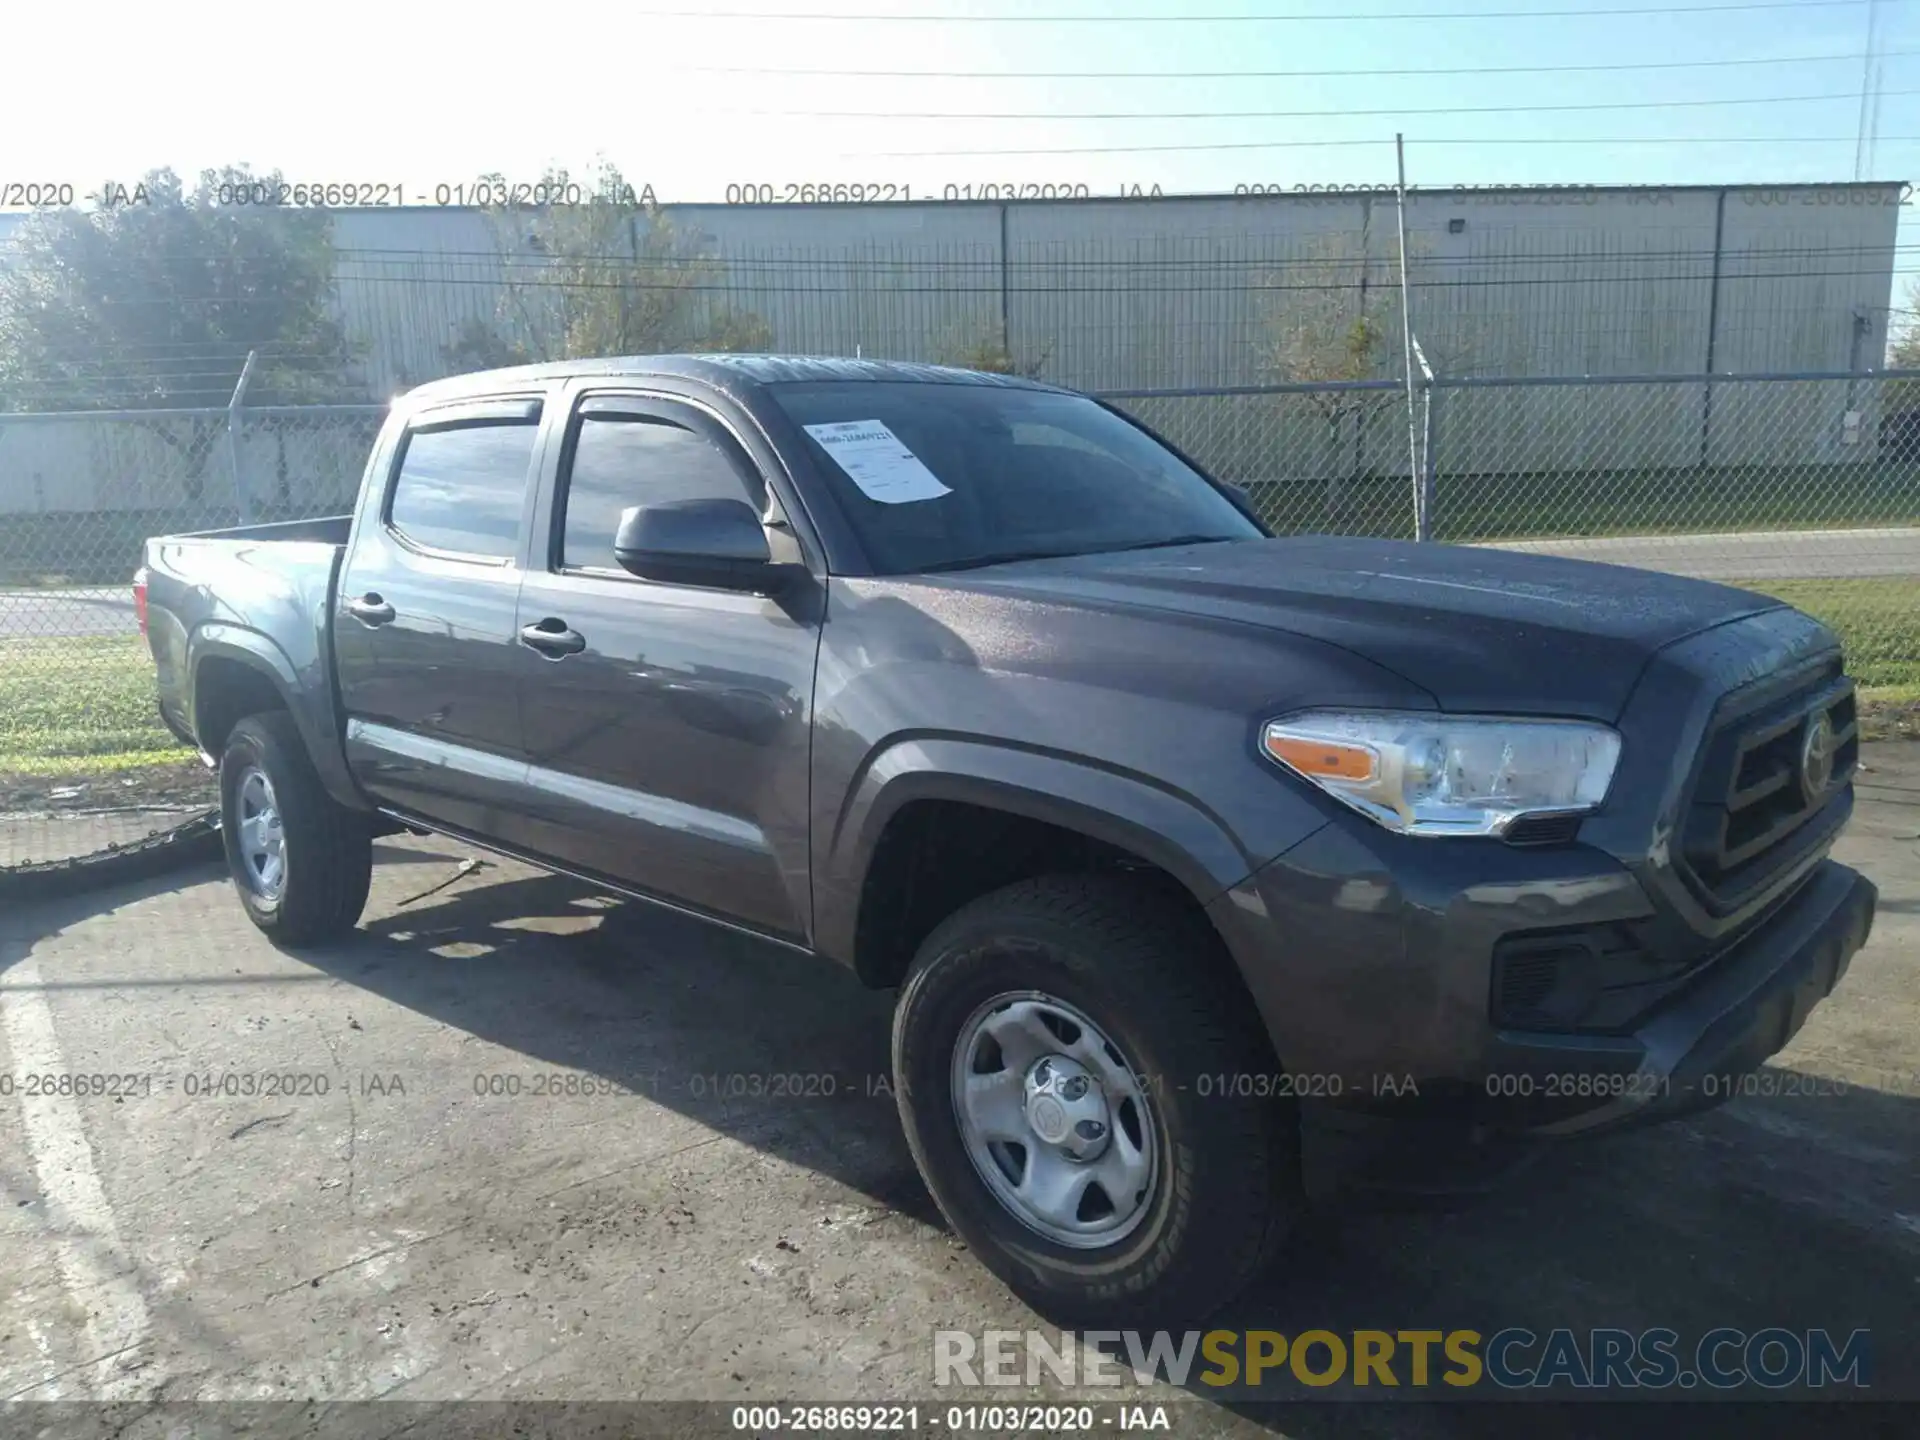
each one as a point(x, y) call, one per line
point(1426, 774)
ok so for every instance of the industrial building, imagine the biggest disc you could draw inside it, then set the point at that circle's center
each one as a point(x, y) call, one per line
point(1197, 292)
point(1185, 291)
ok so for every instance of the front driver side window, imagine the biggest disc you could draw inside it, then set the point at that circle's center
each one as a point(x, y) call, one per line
point(625, 460)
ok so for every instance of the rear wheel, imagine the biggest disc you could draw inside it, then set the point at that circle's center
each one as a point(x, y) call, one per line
point(1047, 1047)
point(300, 860)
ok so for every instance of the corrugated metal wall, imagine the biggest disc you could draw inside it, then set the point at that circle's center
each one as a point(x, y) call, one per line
point(1189, 292)
point(1180, 291)
point(1172, 291)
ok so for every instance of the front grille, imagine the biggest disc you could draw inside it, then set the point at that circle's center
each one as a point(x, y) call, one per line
point(1770, 770)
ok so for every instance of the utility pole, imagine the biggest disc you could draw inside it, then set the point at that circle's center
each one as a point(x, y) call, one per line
point(1869, 95)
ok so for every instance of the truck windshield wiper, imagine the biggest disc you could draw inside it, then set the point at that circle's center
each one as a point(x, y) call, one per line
point(1007, 558)
point(1176, 540)
point(1011, 556)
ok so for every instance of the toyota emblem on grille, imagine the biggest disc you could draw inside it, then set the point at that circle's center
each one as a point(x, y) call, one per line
point(1816, 756)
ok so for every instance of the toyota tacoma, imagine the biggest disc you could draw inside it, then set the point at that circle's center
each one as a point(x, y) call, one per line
point(1216, 871)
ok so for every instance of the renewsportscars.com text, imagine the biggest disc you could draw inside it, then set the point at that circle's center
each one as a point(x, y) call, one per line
point(1513, 1358)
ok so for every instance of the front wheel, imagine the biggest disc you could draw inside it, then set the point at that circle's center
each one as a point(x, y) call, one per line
point(1045, 1050)
point(300, 860)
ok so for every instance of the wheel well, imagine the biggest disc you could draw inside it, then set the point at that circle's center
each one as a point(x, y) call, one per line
point(936, 855)
point(225, 692)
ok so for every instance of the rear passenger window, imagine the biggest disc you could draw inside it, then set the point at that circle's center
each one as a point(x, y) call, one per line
point(461, 488)
point(622, 461)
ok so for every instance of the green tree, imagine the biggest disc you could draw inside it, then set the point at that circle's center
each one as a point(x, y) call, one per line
point(986, 349)
point(155, 301)
point(1898, 419)
point(1331, 316)
point(1903, 345)
point(608, 275)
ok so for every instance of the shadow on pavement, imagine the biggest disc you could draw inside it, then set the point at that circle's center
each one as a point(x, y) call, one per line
point(783, 1051)
point(1793, 1211)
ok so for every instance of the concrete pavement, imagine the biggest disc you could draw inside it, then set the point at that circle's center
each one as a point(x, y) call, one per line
point(517, 1140)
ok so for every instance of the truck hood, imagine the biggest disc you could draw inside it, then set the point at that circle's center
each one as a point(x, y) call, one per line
point(1479, 629)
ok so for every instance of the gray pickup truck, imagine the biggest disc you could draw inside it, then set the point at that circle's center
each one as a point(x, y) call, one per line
point(1216, 871)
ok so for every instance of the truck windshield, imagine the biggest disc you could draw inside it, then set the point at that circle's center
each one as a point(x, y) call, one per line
point(951, 477)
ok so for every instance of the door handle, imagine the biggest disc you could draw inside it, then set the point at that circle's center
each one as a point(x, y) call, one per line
point(553, 638)
point(370, 609)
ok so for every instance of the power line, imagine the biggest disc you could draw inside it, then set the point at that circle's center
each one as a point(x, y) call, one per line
point(956, 18)
point(1370, 72)
point(1336, 144)
point(1293, 114)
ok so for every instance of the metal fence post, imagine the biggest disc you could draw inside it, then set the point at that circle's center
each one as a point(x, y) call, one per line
point(1423, 457)
point(242, 510)
point(1406, 329)
point(1429, 462)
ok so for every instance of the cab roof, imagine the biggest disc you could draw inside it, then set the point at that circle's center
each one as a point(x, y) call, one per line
point(722, 371)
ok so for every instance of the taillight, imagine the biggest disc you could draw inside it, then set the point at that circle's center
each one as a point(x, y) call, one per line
point(140, 597)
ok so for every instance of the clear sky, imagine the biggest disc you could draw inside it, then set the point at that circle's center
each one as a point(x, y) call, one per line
point(691, 98)
point(354, 90)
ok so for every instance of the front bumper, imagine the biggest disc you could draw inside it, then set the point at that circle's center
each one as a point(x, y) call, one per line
point(1441, 991)
point(1375, 981)
point(1690, 1053)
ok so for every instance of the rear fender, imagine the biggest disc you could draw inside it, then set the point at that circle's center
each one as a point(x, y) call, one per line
point(307, 695)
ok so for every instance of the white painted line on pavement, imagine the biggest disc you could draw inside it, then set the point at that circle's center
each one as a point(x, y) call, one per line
point(95, 1267)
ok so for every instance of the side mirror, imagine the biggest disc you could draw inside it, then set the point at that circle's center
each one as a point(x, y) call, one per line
point(717, 543)
point(1242, 499)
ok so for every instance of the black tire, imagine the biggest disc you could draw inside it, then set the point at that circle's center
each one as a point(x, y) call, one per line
point(327, 848)
point(1145, 968)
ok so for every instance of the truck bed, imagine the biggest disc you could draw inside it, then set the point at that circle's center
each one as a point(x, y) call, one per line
point(327, 529)
point(264, 591)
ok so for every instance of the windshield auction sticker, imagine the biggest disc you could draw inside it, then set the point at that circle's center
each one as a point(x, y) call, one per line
point(876, 460)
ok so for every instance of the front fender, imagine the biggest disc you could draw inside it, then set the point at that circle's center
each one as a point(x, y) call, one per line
point(1169, 829)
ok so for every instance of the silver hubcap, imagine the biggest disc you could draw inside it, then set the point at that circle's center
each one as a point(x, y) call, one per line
point(263, 847)
point(1054, 1119)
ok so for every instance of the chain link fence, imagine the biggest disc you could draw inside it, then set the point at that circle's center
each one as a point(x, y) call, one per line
point(85, 764)
point(1805, 487)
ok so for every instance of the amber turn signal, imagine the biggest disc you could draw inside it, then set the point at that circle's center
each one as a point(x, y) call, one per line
point(1322, 759)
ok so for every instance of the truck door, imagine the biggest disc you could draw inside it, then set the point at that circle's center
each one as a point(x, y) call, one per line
point(423, 627)
point(667, 724)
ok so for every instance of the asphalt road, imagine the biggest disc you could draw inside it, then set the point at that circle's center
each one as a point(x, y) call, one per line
point(1772, 555)
point(61, 614)
point(525, 1142)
